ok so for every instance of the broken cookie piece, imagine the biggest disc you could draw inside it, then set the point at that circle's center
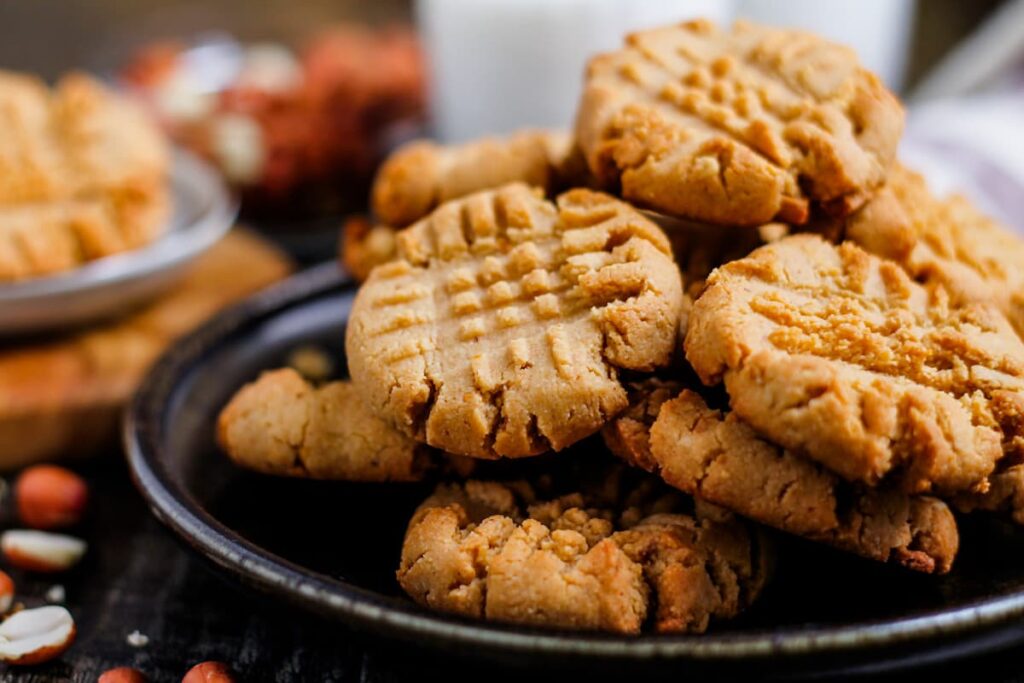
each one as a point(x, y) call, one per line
point(365, 246)
point(719, 459)
point(471, 550)
point(1005, 495)
point(628, 436)
point(282, 424)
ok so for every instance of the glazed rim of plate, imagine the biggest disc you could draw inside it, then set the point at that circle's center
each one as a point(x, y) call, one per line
point(143, 432)
point(209, 211)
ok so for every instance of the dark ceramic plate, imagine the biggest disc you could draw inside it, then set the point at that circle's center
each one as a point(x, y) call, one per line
point(333, 547)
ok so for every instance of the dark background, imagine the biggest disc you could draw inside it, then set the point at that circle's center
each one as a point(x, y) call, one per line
point(51, 36)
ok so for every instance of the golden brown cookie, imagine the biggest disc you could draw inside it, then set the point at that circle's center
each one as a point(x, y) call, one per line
point(501, 328)
point(839, 355)
point(281, 424)
point(942, 240)
point(720, 459)
point(82, 175)
point(32, 165)
point(364, 246)
point(471, 550)
point(422, 175)
point(737, 127)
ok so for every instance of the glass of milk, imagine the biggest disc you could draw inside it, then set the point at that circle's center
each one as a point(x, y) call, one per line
point(498, 65)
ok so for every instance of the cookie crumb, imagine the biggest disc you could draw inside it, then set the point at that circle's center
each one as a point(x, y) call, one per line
point(137, 639)
point(56, 594)
point(311, 362)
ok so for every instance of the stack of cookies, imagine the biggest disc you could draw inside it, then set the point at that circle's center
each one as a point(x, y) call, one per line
point(727, 274)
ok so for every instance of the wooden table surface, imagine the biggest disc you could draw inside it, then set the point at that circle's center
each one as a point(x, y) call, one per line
point(136, 576)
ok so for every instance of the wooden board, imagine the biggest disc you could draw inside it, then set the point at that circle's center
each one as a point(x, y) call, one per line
point(62, 397)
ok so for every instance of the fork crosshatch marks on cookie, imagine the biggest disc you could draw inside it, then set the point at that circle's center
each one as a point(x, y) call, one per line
point(839, 355)
point(737, 127)
point(500, 329)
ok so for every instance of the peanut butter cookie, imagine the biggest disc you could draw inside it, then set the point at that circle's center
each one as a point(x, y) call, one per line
point(365, 246)
point(943, 240)
point(501, 327)
point(281, 424)
point(472, 550)
point(839, 355)
point(720, 459)
point(737, 127)
point(422, 175)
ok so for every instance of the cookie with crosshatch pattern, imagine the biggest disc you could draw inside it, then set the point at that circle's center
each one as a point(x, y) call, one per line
point(940, 239)
point(501, 328)
point(737, 127)
point(840, 356)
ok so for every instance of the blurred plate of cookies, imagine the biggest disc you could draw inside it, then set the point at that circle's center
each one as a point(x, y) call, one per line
point(98, 212)
point(201, 212)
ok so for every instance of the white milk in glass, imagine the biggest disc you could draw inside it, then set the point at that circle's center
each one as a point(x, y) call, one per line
point(498, 65)
point(879, 30)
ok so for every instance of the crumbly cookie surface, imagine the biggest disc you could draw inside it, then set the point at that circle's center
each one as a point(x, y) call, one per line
point(839, 355)
point(32, 167)
point(281, 424)
point(471, 549)
point(737, 127)
point(720, 459)
point(501, 327)
point(422, 175)
point(942, 240)
point(82, 175)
